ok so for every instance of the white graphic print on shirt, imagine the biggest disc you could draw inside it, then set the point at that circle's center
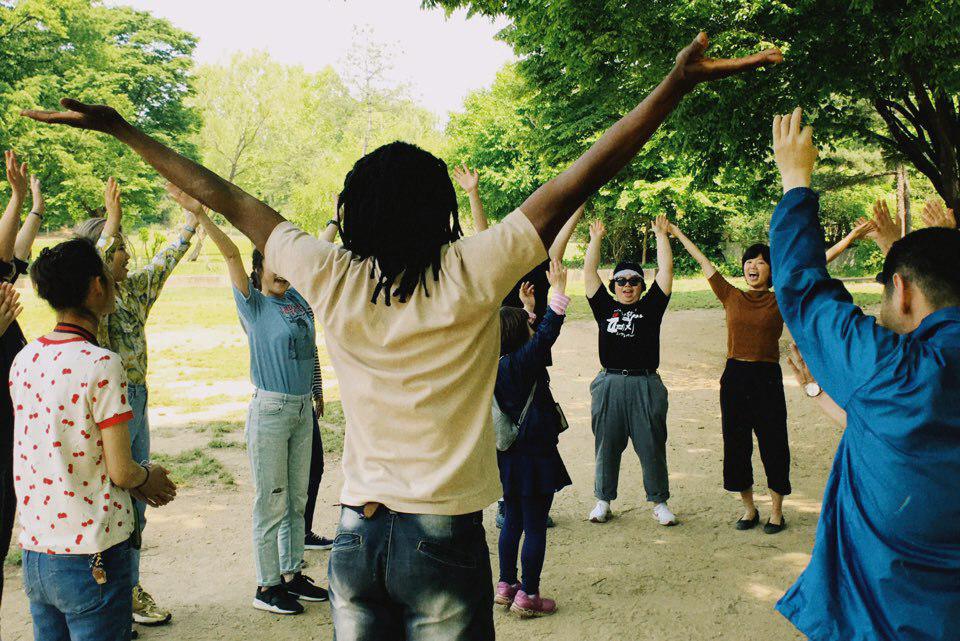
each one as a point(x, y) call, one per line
point(623, 325)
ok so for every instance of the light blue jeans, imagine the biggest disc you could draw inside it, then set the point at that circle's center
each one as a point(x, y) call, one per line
point(279, 433)
point(140, 450)
point(67, 604)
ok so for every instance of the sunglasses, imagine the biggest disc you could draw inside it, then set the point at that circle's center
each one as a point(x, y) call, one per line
point(633, 281)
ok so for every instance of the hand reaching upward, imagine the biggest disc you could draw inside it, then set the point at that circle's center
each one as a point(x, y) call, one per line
point(935, 214)
point(886, 232)
point(557, 277)
point(17, 176)
point(527, 297)
point(693, 67)
point(597, 230)
point(793, 150)
point(469, 180)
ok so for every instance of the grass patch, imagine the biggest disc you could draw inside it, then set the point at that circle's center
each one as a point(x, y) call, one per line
point(195, 467)
point(220, 444)
point(14, 557)
point(332, 424)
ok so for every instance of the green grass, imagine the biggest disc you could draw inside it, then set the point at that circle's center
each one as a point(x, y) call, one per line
point(14, 556)
point(195, 467)
point(332, 424)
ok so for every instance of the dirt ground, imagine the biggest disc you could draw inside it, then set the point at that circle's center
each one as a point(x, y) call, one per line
point(627, 579)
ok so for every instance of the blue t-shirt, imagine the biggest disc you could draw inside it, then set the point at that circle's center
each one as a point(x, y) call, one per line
point(282, 340)
point(886, 563)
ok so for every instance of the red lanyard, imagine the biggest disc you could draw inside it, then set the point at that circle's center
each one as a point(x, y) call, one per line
point(76, 330)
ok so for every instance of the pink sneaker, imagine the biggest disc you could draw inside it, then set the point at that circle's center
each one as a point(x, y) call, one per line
point(532, 606)
point(505, 593)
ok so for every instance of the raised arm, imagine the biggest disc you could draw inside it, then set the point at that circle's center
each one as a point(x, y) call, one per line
point(591, 262)
point(705, 265)
point(862, 229)
point(10, 221)
point(661, 229)
point(252, 217)
point(469, 182)
point(329, 232)
point(31, 225)
point(559, 246)
point(111, 203)
point(228, 249)
point(549, 207)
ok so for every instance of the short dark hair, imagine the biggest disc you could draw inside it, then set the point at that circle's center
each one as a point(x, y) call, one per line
point(514, 329)
point(257, 272)
point(758, 250)
point(62, 274)
point(628, 264)
point(399, 208)
point(930, 258)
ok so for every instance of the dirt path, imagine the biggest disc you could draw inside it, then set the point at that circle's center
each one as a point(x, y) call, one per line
point(627, 579)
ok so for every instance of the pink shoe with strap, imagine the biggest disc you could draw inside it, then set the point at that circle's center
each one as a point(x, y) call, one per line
point(532, 606)
point(505, 593)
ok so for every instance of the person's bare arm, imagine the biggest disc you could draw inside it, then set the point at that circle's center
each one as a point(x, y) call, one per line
point(17, 176)
point(800, 371)
point(705, 265)
point(228, 249)
point(469, 182)
point(329, 232)
point(31, 224)
point(591, 262)
point(153, 485)
point(253, 218)
point(559, 246)
point(111, 203)
point(862, 229)
point(661, 229)
point(549, 207)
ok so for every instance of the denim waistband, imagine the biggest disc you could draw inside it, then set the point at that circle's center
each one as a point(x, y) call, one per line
point(280, 396)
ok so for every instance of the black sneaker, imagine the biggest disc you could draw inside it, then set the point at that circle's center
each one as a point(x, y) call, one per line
point(276, 599)
point(313, 542)
point(748, 524)
point(303, 587)
point(774, 528)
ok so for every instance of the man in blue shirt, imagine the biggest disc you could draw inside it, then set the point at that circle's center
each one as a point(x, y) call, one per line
point(886, 563)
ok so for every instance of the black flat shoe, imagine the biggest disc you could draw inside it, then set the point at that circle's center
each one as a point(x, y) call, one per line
point(749, 524)
point(771, 528)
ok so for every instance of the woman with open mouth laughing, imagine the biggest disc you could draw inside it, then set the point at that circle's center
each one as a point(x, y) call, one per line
point(751, 388)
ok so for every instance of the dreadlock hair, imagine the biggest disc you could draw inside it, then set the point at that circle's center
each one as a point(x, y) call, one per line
point(62, 274)
point(399, 207)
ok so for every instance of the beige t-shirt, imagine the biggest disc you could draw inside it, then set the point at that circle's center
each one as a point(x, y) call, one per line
point(416, 378)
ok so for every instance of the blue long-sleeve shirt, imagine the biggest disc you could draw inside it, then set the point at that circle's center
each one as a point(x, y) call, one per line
point(886, 562)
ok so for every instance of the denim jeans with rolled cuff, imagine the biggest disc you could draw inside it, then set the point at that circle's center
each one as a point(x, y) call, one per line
point(416, 577)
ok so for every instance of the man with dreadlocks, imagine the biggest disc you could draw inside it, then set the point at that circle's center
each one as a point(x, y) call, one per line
point(410, 316)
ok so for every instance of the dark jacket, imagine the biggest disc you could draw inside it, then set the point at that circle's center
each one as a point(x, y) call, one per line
point(532, 466)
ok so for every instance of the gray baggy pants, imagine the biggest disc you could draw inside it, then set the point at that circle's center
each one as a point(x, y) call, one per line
point(634, 407)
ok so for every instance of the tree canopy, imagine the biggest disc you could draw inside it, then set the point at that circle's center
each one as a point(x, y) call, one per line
point(129, 59)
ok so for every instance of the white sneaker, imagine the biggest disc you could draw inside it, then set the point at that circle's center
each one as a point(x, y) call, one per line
point(600, 513)
point(663, 514)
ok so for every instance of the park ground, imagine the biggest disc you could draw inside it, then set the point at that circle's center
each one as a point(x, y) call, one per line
point(627, 579)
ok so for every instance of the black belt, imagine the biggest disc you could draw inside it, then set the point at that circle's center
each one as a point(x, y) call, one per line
point(630, 372)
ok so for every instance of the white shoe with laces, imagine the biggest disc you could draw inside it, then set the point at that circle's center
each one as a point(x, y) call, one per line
point(663, 514)
point(601, 512)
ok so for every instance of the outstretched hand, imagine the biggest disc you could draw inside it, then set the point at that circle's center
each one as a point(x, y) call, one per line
point(661, 226)
point(10, 306)
point(526, 295)
point(79, 115)
point(863, 228)
point(39, 206)
point(886, 231)
point(185, 200)
point(793, 150)
point(557, 277)
point(693, 67)
point(17, 175)
point(597, 230)
point(935, 214)
point(111, 198)
point(799, 366)
point(468, 179)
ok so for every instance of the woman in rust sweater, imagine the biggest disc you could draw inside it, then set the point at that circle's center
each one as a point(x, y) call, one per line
point(751, 389)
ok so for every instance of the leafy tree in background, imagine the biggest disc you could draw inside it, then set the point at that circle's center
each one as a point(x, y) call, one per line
point(126, 58)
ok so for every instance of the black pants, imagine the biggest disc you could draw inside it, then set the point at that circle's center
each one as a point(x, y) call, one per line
point(316, 474)
point(752, 400)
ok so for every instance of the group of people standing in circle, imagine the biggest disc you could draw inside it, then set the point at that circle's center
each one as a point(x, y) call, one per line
point(412, 312)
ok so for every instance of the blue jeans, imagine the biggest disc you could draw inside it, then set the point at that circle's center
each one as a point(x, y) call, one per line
point(526, 515)
point(279, 434)
point(139, 429)
point(417, 577)
point(68, 605)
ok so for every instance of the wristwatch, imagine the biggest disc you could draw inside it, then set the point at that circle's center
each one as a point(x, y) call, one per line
point(333, 221)
point(813, 389)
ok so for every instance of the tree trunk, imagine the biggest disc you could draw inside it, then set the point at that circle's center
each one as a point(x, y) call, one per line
point(903, 201)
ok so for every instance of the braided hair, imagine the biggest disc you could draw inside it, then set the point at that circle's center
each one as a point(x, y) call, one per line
point(399, 207)
point(62, 274)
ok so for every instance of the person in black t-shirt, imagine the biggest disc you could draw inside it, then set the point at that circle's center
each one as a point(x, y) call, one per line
point(469, 181)
point(629, 400)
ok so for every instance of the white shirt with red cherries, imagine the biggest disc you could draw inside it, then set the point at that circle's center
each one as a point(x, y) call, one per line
point(64, 393)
